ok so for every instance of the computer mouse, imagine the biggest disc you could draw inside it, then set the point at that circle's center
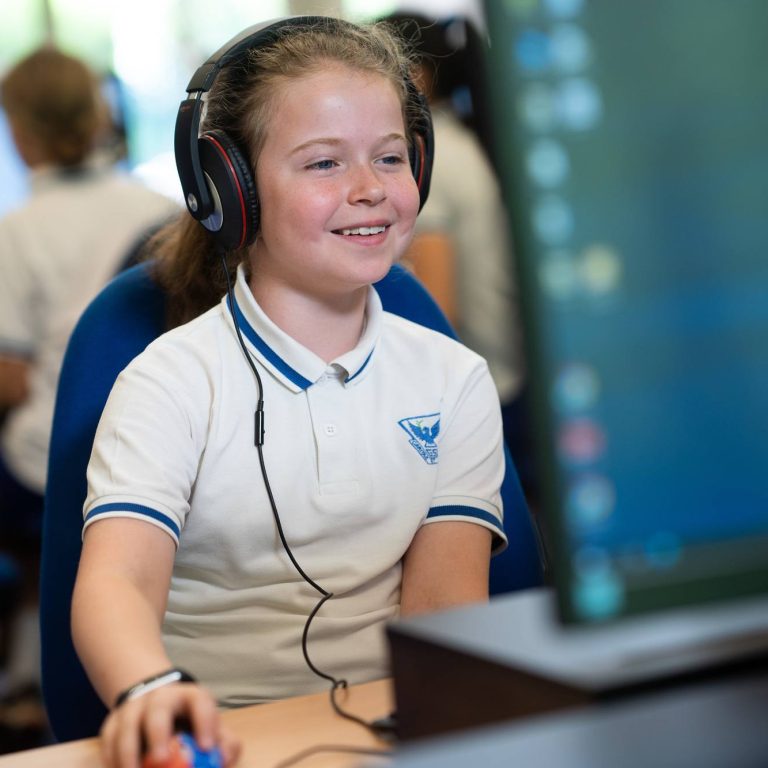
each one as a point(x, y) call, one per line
point(186, 753)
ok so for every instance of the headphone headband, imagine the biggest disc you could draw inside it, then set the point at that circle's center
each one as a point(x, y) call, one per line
point(193, 184)
point(251, 37)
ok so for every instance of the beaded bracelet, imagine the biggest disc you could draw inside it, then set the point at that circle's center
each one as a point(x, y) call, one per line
point(174, 675)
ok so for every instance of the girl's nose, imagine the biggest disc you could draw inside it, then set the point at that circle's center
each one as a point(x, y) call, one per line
point(366, 186)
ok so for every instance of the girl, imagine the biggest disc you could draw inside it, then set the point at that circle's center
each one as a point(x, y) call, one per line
point(376, 489)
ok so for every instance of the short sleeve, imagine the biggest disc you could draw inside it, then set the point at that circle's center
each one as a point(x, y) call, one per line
point(471, 464)
point(148, 445)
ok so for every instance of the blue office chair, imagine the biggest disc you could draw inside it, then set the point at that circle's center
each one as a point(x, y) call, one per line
point(118, 324)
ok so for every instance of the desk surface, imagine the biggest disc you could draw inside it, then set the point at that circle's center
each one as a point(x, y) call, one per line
point(271, 733)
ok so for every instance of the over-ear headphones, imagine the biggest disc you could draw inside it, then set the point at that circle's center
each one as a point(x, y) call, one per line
point(216, 175)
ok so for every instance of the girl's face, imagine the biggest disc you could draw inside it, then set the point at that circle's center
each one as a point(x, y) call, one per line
point(338, 199)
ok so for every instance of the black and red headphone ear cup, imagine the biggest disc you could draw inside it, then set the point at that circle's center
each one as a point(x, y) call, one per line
point(421, 166)
point(422, 146)
point(235, 220)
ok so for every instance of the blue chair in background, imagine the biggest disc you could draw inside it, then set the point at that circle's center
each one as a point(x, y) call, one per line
point(126, 316)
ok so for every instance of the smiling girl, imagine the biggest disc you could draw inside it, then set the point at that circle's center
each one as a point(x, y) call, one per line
point(382, 453)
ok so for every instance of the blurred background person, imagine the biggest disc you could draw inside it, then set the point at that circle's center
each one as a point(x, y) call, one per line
point(57, 249)
point(462, 250)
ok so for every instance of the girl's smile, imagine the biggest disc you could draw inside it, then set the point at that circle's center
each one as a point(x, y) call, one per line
point(338, 199)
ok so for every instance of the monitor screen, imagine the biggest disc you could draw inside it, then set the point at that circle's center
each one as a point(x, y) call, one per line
point(633, 150)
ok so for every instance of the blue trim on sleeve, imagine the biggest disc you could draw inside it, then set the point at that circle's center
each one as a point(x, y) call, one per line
point(460, 510)
point(269, 353)
point(140, 508)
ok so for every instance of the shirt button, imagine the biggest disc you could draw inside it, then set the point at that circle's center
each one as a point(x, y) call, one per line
point(330, 430)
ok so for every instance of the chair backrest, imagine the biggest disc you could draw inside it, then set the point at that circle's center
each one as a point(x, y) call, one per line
point(126, 316)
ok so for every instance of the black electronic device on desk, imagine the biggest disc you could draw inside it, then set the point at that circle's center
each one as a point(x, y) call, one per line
point(512, 658)
point(632, 146)
point(717, 725)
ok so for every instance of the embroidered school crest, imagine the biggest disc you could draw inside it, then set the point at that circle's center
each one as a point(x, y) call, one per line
point(422, 431)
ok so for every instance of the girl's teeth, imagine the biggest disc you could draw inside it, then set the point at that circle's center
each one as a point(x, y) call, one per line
point(362, 231)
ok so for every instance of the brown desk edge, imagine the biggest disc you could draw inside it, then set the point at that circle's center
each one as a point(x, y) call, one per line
point(271, 733)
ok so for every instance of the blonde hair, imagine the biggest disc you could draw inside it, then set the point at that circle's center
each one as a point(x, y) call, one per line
point(54, 98)
point(240, 103)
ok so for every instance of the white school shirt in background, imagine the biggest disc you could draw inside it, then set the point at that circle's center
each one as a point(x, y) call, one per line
point(401, 431)
point(466, 205)
point(56, 251)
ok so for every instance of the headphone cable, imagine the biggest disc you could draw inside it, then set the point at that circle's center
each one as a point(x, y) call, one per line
point(381, 728)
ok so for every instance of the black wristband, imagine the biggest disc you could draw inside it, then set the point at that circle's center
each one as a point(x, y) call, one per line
point(174, 675)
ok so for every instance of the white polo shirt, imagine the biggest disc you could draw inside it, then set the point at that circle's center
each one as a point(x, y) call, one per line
point(403, 430)
point(57, 251)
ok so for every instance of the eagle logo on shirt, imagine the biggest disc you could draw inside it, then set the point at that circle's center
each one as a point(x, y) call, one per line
point(422, 432)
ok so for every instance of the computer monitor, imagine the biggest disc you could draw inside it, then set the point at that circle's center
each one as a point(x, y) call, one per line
point(632, 144)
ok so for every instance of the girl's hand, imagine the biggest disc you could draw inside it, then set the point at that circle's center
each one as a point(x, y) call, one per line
point(145, 725)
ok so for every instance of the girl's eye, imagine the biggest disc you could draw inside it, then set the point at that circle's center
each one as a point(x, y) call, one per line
point(322, 165)
point(392, 159)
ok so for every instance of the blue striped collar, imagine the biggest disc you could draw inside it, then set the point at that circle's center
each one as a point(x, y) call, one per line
point(290, 362)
